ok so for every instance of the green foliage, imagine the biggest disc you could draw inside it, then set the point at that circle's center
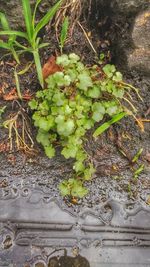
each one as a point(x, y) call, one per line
point(73, 187)
point(74, 101)
point(138, 154)
point(138, 171)
point(9, 45)
point(64, 32)
point(31, 34)
point(107, 124)
point(2, 110)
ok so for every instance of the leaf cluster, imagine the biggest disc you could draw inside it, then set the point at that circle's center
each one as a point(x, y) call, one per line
point(75, 99)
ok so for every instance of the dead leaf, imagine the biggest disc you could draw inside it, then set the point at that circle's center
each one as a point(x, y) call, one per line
point(4, 147)
point(12, 95)
point(50, 67)
point(27, 95)
point(3, 87)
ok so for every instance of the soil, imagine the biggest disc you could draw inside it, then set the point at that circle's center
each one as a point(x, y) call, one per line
point(112, 152)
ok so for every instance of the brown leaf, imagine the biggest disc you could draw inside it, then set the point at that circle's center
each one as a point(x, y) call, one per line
point(3, 87)
point(50, 67)
point(4, 147)
point(12, 95)
point(27, 95)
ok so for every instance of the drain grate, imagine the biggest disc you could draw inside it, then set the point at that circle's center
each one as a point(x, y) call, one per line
point(35, 233)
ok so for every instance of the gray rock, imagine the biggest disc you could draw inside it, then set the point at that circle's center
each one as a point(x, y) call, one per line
point(141, 29)
point(139, 58)
point(127, 6)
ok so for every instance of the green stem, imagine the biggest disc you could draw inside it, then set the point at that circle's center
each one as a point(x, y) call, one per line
point(38, 67)
point(17, 85)
point(15, 55)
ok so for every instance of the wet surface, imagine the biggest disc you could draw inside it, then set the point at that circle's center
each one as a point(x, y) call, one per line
point(50, 234)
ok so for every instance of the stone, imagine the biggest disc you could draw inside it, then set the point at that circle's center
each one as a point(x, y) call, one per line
point(139, 58)
point(127, 6)
point(141, 30)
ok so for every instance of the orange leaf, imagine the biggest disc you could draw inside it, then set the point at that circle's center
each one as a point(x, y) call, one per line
point(50, 67)
point(27, 95)
point(12, 95)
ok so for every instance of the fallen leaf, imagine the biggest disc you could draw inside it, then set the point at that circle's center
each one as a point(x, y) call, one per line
point(12, 95)
point(3, 87)
point(27, 95)
point(4, 147)
point(50, 67)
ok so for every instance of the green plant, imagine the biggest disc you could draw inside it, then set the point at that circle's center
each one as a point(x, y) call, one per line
point(63, 34)
point(107, 124)
point(31, 34)
point(10, 44)
point(75, 100)
point(138, 171)
point(2, 110)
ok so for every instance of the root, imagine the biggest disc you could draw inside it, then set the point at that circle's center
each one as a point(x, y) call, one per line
point(19, 132)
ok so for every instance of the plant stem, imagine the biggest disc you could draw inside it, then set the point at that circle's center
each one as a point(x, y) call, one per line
point(17, 85)
point(38, 67)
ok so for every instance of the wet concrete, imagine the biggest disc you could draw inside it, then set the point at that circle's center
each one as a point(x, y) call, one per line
point(50, 234)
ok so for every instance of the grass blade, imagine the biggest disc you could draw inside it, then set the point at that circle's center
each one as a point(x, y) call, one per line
point(138, 154)
point(4, 22)
point(64, 31)
point(15, 55)
point(138, 171)
point(43, 45)
point(6, 27)
point(49, 15)
point(4, 45)
point(17, 33)
point(34, 13)
point(107, 124)
point(38, 67)
point(17, 85)
point(10, 48)
point(20, 45)
point(28, 18)
point(28, 66)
